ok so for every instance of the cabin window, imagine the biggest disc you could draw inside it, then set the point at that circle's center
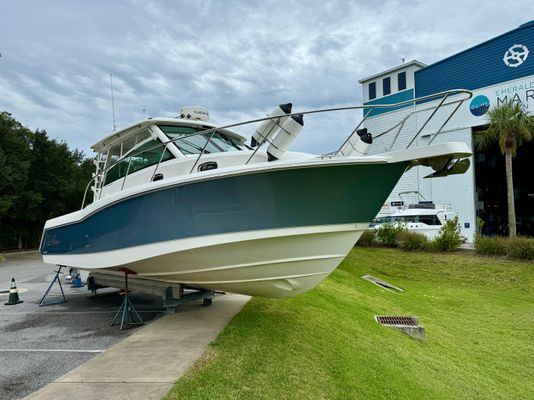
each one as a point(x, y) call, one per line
point(189, 143)
point(120, 149)
point(401, 79)
point(114, 154)
point(429, 219)
point(130, 143)
point(144, 156)
point(406, 219)
point(372, 90)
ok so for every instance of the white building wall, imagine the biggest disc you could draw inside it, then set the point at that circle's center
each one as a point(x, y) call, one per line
point(410, 80)
point(365, 92)
point(410, 76)
point(379, 124)
point(456, 190)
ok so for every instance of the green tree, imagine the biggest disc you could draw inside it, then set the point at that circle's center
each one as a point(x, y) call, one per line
point(57, 179)
point(510, 126)
point(15, 161)
point(40, 178)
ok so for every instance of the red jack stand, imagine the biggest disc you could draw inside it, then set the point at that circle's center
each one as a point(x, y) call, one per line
point(129, 315)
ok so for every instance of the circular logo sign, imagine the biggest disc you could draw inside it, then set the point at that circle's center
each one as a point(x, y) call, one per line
point(515, 55)
point(479, 105)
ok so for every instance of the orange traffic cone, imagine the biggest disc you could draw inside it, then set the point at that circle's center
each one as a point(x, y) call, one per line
point(13, 294)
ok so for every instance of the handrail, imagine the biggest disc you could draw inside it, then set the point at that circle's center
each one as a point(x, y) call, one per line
point(441, 95)
point(445, 123)
point(347, 140)
point(428, 119)
point(159, 162)
point(127, 170)
point(202, 151)
point(265, 139)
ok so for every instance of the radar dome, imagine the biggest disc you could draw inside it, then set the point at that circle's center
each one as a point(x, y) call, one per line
point(195, 112)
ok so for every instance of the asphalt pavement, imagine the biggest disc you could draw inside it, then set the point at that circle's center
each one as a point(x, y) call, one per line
point(40, 344)
point(70, 351)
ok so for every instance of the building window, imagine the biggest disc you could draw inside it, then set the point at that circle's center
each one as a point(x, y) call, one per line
point(402, 80)
point(372, 90)
point(386, 86)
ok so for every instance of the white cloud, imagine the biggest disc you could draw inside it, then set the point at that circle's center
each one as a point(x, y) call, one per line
point(238, 58)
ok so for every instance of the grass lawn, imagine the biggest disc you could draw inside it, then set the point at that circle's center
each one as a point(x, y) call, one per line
point(479, 318)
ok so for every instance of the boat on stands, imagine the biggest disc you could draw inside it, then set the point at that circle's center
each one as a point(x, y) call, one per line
point(182, 200)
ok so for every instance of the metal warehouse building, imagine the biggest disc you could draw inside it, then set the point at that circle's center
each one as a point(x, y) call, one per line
point(497, 70)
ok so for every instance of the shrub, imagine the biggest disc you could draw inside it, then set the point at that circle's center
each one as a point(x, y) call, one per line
point(386, 234)
point(449, 237)
point(521, 247)
point(367, 238)
point(412, 241)
point(491, 246)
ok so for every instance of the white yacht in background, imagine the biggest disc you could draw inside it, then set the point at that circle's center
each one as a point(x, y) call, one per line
point(423, 217)
point(182, 200)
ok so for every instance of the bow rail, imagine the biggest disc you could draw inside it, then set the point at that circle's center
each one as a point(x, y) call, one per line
point(442, 96)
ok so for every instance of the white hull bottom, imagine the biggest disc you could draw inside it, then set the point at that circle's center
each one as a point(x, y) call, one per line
point(270, 263)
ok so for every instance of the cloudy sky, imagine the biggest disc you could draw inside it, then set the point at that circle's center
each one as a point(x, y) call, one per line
point(238, 58)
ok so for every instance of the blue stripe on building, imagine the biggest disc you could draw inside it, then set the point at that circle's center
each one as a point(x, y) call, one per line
point(479, 66)
point(391, 99)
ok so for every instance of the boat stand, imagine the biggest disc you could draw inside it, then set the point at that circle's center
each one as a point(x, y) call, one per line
point(128, 314)
point(170, 302)
point(44, 301)
point(173, 295)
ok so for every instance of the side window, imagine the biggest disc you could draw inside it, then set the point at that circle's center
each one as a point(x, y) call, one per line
point(429, 219)
point(401, 78)
point(120, 149)
point(113, 155)
point(148, 154)
point(130, 143)
point(386, 86)
point(372, 90)
point(144, 156)
point(116, 172)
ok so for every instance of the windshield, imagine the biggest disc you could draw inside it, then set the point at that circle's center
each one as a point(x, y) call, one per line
point(195, 144)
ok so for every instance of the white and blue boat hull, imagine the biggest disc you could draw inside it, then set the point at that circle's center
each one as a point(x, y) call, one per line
point(274, 232)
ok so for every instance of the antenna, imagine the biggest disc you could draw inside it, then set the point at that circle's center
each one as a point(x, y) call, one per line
point(112, 101)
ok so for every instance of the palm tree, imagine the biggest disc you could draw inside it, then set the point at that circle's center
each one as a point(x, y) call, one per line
point(510, 126)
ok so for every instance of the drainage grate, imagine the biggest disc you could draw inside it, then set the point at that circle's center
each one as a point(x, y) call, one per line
point(382, 284)
point(397, 320)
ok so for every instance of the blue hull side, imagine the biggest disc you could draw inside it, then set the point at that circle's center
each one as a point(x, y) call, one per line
point(332, 194)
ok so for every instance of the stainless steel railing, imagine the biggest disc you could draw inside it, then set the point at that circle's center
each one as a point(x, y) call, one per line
point(442, 96)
